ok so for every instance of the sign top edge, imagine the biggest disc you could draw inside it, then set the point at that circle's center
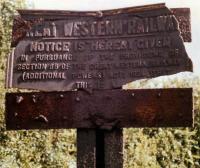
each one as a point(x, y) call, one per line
point(36, 12)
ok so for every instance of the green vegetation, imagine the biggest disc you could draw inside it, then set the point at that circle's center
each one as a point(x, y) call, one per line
point(152, 148)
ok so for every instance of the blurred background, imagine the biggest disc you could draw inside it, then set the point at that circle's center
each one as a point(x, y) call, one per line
point(143, 148)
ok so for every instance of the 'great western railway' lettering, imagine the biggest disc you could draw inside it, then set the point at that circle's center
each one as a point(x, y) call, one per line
point(134, 25)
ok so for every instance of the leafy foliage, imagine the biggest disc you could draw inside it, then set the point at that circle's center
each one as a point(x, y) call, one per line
point(152, 148)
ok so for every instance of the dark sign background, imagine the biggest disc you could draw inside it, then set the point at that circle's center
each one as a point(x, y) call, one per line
point(94, 50)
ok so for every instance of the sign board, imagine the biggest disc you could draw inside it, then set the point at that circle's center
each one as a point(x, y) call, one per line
point(64, 50)
point(98, 51)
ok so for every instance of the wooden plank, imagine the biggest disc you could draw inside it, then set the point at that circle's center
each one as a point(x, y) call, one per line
point(113, 146)
point(99, 148)
point(86, 148)
point(100, 109)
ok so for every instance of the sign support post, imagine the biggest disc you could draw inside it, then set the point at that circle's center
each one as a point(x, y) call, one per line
point(113, 148)
point(86, 148)
point(99, 148)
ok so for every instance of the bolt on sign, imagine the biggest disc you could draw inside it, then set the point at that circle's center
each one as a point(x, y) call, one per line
point(64, 50)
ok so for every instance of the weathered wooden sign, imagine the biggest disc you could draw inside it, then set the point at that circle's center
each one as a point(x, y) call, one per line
point(56, 51)
point(98, 51)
